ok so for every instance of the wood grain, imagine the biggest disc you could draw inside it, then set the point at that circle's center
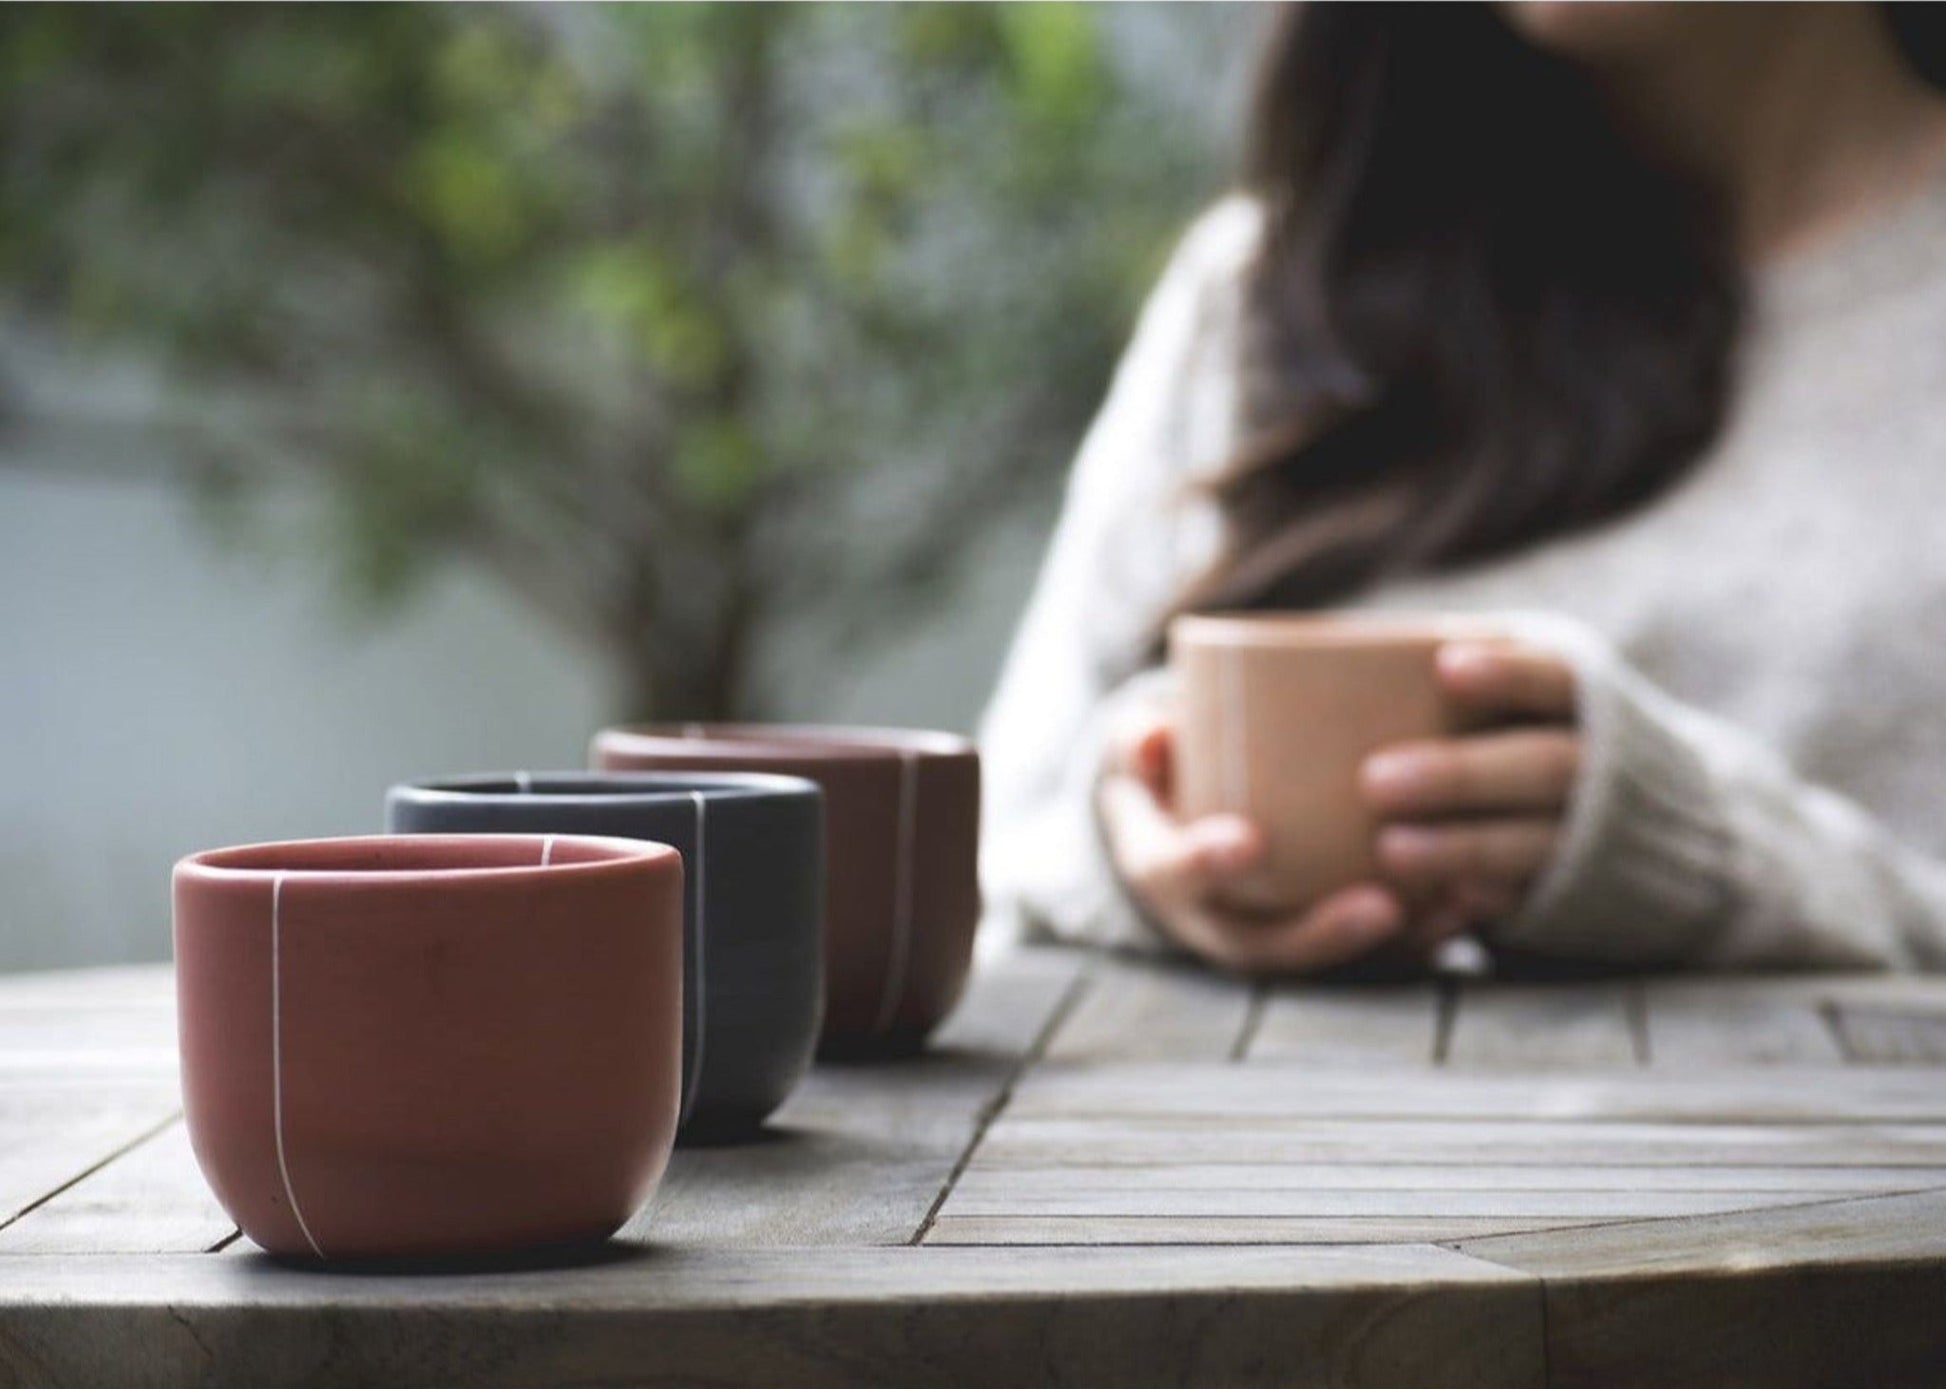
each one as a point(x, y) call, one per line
point(1837, 1293)
point(1362, 1203)
point(1100, 1192)
point(1768, 1094)
point(108, 986)
point(1561, 1026)
point(1135, 1008)
point(1381, 1318)
point(861, 1154)
point(53, 1133)
point(150, 1199)
point(1148, 1142)
point(1809, 1183)
point(1884, 1035)
point(1353, 1025)
point(1214, 1231)
point(1714, 1022)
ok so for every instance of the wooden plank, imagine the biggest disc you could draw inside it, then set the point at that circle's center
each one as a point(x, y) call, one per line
point(1845, 1292)
point(1041, 1142)
point(1866, 1229)
point(1895, 1037)
point(1431, 1203)
point(141, 985)
point(1348, 1026)
point(862, 1153)
point(1379, 1318)
point(1053, 1232)
point(73, 1039)
point(150, 1200)
point(52, 1134)
point(1810, 1183)
point(1561, 1026)
point(1164, 1009)
point(1286, 1090)
point(1712, 1022)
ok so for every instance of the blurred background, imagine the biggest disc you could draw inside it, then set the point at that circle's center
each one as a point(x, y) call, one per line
point(387, 391)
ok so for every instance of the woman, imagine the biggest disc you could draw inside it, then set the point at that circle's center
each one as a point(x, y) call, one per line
point(1632, 314)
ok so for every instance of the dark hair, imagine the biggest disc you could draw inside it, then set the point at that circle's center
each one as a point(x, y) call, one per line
point(1480, 316)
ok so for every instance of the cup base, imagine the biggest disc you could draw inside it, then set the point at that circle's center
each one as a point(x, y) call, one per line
point(898, 1045)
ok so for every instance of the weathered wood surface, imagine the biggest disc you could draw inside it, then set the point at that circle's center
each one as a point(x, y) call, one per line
point(861, 1153)
point(1840, 1292)
point(1106, 1171)
point(843, 1318)
point(1364, 1027)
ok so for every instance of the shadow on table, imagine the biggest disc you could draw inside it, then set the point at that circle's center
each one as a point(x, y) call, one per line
point(543, 1258)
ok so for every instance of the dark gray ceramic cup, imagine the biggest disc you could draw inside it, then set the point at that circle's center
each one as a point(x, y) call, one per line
point(752, 848)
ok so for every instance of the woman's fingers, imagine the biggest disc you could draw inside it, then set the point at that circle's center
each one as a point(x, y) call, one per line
point(1501, 678)
point(1178, 870)
point(1340, 928)
point(1525, 769)
point(1143, 746)
point(1504, 851)
point(1166, 860)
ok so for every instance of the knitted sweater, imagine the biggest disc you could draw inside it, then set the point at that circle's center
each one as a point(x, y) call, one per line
point(1761, 652)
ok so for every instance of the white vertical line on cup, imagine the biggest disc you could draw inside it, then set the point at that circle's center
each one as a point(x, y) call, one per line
point(277, 1053)
point(699, 936)
point(900, 956)
point(547, 851)
point(524, 783)
point(1235, 731)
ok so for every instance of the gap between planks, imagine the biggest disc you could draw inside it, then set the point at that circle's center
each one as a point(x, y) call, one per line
point(1070, 997)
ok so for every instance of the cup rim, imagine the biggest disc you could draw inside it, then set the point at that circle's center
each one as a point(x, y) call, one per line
point(819, 742)
point(596, 788)
point(617, 855)
point(1331, 631)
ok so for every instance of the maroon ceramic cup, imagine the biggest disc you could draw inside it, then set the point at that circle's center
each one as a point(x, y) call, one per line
point(902, 824)
point(409, 1046)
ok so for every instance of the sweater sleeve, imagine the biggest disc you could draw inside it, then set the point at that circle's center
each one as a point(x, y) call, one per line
point(1126, 540)
point(1689, 842)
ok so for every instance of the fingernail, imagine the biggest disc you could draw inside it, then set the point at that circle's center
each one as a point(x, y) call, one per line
point(1393, 773)
point(1368, 919)
point(1465, 658)
point(1405, 843)
point(1228, 843)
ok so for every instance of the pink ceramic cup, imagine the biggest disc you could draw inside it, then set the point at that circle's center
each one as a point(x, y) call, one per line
point(430, 1045)
point(1277, 713)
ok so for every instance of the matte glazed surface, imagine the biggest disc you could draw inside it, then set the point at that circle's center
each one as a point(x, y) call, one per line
point(753, 850)
point(902, 897)
point(1278, 712)
point(404, 1047)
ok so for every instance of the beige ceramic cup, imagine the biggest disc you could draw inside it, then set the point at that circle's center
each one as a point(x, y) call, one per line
point(1276, 714)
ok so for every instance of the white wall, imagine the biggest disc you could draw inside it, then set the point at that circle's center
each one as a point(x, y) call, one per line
point(161, 692)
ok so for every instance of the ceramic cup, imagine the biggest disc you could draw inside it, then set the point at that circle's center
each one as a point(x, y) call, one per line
point(753, 851)
point(1276, 714)
point(402, 1047)
point(902, 896)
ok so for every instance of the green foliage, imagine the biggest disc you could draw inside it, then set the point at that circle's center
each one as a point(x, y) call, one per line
point(687, 318)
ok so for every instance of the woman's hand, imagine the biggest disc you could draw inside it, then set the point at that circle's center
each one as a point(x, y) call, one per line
point(1468, 823)
point(1179, 870)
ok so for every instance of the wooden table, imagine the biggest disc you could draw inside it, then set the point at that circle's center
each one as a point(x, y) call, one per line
point(1106, 1173)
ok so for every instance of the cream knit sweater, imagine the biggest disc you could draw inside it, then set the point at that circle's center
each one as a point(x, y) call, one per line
point(1761, 653)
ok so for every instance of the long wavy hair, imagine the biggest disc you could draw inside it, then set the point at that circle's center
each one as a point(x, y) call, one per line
point(1480, 316)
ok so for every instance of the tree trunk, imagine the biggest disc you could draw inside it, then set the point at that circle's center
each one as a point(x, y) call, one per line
point(665, 677)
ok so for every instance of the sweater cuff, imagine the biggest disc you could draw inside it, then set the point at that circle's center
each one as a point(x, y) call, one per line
point(1644, 870)
point(1052, 876)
